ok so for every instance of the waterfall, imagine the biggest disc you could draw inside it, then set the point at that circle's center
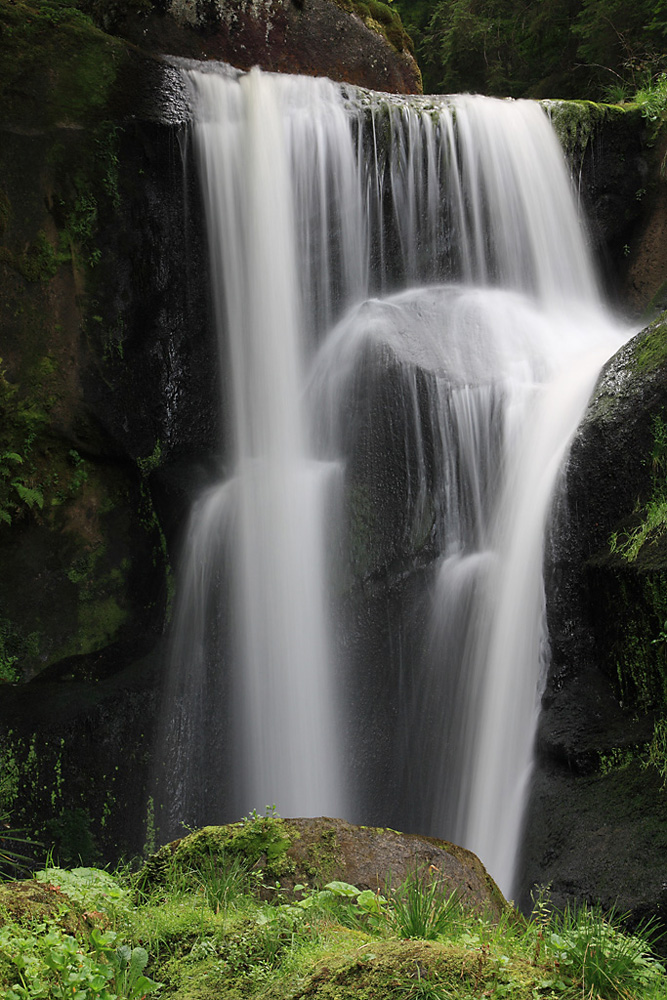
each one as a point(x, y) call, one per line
point(425, 252)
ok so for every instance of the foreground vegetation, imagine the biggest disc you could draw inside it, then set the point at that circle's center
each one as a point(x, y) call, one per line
point(214, 925)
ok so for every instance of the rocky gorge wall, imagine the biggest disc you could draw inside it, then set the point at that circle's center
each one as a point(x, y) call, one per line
point(107, 352)
point(106, 355)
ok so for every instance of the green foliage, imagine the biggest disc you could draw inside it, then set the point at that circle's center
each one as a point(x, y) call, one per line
point(13, 862)
point(219, 876)
point(618, 757)
point(57, 966)
point(337, 943)
point(256, 838)
point(657, 749)
point(152, 461)
point(71, 836)
point(40, 261)
point(595, 954)
point(598, 49)
point(92, 888)
point(423, 908)
point(630, 543)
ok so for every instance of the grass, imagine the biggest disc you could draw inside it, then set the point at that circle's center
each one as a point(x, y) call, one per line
point(206, 932)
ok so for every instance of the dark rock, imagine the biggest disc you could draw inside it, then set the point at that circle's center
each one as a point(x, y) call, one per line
point(597, 820)
point(606, 146)
point(313, 37)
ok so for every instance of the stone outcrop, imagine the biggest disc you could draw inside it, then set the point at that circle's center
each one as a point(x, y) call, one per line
point(335, 38)
point(597, 822)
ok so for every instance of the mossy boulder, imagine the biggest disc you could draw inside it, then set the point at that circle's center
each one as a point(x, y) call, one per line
point(32, 903)
point(315, 851)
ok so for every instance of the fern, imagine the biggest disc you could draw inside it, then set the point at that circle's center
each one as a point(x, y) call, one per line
point(30, 495)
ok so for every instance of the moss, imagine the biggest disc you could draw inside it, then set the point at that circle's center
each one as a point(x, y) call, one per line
point(40, 261)
point(99, 623)
point(577, 122)
point(31, 903)
point(650, 351)
point(418, 968)
point(324, 858)
point(262, 842)
point(151, 462)
point(382, 19)
point(381, 12)
point(54, 63)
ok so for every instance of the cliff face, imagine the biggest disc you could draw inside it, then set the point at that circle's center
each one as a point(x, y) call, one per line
point(107, 356)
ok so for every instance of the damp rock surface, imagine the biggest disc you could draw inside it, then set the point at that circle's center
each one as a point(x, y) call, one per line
point(597, 822)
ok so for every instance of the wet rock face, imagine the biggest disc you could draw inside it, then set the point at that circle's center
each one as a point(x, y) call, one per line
point(606, 147)
point(311, 37)
point(597, 821)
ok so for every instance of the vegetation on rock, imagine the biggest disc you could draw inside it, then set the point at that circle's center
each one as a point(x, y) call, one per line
point(223, 929)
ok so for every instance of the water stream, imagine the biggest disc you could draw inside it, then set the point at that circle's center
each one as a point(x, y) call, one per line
point(361, 241)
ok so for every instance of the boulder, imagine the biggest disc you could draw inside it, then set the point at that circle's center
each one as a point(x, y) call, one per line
point(597, 822)
point(316, 851)
point(351, 42)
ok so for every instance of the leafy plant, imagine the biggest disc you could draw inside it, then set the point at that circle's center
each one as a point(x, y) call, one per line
point(92, 888)
point(593, 951)
point(657, 749)
point(126, 965)
point(56, 966)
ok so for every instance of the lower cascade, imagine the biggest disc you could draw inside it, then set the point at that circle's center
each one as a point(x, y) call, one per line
point(409, 330)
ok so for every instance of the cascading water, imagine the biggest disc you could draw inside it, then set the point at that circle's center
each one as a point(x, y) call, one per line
point(318, 197)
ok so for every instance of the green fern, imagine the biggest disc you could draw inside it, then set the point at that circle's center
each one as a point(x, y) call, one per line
point(30, 495)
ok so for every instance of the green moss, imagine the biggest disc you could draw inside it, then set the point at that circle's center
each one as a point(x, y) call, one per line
point(381, 12)
point(99, 623)
point(577, 122)
point(262, 842)
point(40, 261)
point(70, 65)
point(323, 858)
point(650, 353)
point(413, 969)
point(151, 462)
point(381, 18)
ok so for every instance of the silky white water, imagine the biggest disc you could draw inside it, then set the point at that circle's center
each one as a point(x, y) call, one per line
point(356, 238)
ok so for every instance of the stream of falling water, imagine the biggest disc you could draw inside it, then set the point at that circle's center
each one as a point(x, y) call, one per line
point(354, 235)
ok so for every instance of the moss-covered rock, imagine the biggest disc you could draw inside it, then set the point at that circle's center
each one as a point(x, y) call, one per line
point(316, 851)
